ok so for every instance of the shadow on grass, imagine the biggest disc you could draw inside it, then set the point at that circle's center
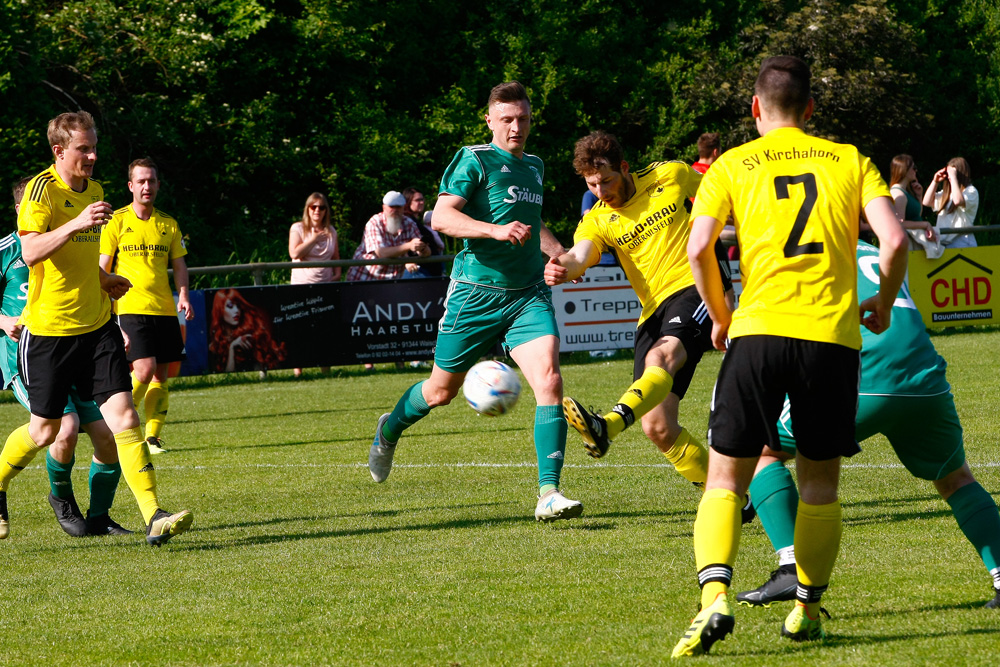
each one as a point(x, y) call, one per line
point(587, 524)
point(836, 641)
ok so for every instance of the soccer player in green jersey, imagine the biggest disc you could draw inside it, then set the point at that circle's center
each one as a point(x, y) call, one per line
point(491, 196)
point(905, 396)
point(104, 469)
point(69, 340)
point(796, 201)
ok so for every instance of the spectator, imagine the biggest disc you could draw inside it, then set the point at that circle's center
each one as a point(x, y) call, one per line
point(709, 148)
point(312, 240)
point(388, 234)
point(956, 203)
point(587, 203)
point(906, 195)
point(414, 210)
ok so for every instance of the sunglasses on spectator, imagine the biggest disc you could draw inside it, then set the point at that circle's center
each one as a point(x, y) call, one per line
point(317, 207)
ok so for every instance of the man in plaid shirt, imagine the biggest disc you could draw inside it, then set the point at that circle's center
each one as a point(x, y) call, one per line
point(388, 234)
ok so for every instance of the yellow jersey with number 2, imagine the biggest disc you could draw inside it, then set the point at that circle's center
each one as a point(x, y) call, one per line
point(796, 201)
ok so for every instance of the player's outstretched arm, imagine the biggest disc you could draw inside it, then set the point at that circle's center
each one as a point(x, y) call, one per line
point(571, 264)
point(549, 243)
point(449, 219)
point(181, 283)
point(39, 246)
point(701, 254)
point(876, 311)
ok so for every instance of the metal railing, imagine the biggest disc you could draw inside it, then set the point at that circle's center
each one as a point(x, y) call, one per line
point(257, 269)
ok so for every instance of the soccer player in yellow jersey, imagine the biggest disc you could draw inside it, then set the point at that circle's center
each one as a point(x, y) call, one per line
point(796, 201)
point(140, 242)
point(68, 338)
point(643, 218)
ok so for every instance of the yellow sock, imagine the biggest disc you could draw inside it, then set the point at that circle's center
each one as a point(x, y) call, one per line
point(642, 396)
point(817, 541)
point(17, 453)
point(137, 468)
point(716, 541)
point(689, 457)
point(157, 401)
point(138, 391)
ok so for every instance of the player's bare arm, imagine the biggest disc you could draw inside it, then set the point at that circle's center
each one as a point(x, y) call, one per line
point(181, 283)
point(39, 246)
point(549, 243)
point(876, 312)
point(571, 264)
point(701, 254)
point(449, 219)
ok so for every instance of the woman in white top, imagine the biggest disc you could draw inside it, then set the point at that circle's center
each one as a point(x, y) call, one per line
point(956, 203)
point(314, 239)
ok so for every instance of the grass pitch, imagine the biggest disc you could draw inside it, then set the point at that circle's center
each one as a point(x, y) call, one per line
point(297, 557)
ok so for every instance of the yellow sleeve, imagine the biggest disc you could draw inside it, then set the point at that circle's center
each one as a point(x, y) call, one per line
point(177, 247)
point(109, 236)
point(713, 194)
point(872, 184)
point(589, 230)
point(35, 216)
point(691, 180)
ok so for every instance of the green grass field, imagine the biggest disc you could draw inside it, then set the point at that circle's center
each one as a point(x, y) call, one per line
point(297, 557)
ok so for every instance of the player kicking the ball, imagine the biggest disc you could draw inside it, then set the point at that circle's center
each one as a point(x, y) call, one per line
point(905, 396)
point(491, 196)
point(643, 219)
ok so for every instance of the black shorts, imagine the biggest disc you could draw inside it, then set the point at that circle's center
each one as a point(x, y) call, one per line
point(93, 362)
point(684, 316)
point(820, 380)
point(156, 336)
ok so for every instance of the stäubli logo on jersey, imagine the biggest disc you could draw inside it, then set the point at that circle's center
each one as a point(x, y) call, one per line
point(519, 194)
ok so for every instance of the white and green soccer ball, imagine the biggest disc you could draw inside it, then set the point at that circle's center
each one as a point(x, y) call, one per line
point(491, 388)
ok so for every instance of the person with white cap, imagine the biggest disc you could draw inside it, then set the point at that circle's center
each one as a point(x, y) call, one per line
point(388, 234)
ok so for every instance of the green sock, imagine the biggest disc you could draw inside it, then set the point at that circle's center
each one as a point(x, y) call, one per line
point(410, 409)
point(103, 484)
point(777, 500)
point(60, 476)
point(550, 443)
point(979, 519)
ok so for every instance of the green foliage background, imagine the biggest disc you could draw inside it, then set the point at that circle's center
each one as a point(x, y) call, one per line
point(250, 105)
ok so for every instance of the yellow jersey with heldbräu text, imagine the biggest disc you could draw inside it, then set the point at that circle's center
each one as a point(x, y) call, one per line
point(649, 233)
point(142, 252)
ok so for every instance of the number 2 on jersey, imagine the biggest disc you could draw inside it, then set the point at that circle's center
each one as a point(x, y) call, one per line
point(792, 246)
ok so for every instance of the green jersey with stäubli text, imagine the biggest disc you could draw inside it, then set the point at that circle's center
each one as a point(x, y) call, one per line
point(498, 188)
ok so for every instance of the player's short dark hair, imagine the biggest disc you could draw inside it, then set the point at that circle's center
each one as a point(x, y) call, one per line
point(708, 143)
point(61, 127)
point(17, 189)
point(143, 162)
point(596, 150)
point(783, 85)
point(508, 93)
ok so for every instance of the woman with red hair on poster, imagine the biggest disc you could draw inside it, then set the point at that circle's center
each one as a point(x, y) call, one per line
point(240, 333)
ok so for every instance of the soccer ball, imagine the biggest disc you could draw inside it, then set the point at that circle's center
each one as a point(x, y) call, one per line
point(491, 388)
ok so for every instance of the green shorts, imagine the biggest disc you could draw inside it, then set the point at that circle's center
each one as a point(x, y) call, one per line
point(477, 317)
point(87, 410)
point(924, 431)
